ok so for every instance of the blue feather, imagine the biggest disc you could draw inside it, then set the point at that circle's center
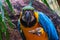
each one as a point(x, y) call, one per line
point(48, 26)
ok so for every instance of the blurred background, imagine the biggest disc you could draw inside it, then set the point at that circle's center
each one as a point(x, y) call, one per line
point(10, 12)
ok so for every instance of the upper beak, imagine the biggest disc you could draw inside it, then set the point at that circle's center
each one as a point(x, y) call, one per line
point(28, 17)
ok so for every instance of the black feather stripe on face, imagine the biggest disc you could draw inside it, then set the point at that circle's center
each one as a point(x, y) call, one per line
point(32, 23)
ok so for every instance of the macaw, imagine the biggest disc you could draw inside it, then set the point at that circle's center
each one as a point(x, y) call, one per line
point(35, 25)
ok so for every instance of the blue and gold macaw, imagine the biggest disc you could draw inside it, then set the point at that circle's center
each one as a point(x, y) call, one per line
point(34, 25)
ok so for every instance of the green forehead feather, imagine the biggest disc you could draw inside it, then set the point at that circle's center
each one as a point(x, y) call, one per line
point(28, 8)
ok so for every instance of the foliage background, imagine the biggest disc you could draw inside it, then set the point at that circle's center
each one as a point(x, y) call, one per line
point(10, 10)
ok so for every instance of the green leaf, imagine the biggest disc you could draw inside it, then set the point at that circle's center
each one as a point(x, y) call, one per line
point(7, 18)
point(0, 26)
point(0, 35)
point(0, 18)
point(4, 26)
point(7, 35)
point(10, 23)
point(6, 13)
point(2, 12)
point(10, 5)
point(45, 1)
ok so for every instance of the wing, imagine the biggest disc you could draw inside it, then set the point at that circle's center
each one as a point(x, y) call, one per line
point(48, 26)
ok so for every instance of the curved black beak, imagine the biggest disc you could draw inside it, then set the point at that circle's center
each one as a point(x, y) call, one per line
point(28, 17)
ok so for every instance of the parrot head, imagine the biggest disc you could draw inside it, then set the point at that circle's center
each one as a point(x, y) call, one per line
point(28, 19)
